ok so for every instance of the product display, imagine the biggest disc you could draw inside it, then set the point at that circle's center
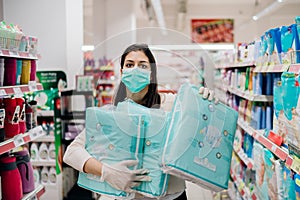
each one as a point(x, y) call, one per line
point(128, 132)
point(199, 141)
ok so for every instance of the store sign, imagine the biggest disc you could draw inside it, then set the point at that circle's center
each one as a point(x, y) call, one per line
point(212, 30)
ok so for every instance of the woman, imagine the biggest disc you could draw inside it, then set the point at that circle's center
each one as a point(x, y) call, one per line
point(139, 83)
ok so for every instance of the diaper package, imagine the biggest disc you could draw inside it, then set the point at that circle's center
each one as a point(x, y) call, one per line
point(199, 141)
point(126, 132)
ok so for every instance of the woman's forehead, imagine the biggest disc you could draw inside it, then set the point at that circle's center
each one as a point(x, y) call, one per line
point(137, 56)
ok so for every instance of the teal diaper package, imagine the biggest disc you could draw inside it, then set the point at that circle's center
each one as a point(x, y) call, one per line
point(126, 132)
point(199, 140)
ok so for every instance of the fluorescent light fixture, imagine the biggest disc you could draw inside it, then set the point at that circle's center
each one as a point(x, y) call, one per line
point(88, 48)
point(275, 5)
point(156, 4)
point(193, 47)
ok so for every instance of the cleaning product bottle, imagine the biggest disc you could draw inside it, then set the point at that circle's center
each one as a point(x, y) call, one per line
point(36, 175)
point(52, 176)
point(28, 115)
point(44, 175)
point(43, 152)
point(1, 71)
point(19, 72)
point(52, 151)
point(34, 155)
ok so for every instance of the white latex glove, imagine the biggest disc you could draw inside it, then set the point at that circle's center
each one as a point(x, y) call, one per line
point(208, 94)
point(121, 177)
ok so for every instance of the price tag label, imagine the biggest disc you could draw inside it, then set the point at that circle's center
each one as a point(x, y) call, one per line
point(296, 164)
point(33, 135)
point(14, 53)
point(39, 130)
point(18, 140)
point(32, 86)
point(18, 92)
point(2, 92)
point(273, 148)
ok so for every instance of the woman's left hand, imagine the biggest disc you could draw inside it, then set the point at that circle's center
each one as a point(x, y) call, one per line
point(208, 94)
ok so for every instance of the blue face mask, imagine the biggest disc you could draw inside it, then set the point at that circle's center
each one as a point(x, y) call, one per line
point(136, 78)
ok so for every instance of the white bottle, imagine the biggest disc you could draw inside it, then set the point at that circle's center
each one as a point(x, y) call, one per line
point(36, 175)
point(43, 152)
point(44, 176)
point(1, 71)
point(52, 155)
point(34, 155)
point(52, 176)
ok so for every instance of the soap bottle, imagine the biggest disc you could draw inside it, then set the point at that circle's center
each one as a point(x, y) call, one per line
point(52, 155)
point(44, 175)
point(43, 151)
point(52, 176)
point(34, 155)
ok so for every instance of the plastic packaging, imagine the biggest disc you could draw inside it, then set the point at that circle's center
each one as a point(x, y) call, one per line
point(34, 151)
point(25, 77)
point(10, 70)
point(19, 72)
point(52, 176)
point(1, 71)
point(52, 154)
point(44, 176)
point(43, 152)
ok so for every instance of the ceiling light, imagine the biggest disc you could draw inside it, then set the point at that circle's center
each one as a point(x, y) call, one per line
point(275, 5)
point(156, 4)
point(87, 48)
point(193, 47)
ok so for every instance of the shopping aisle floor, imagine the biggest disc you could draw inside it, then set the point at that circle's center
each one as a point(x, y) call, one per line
point(195, 192)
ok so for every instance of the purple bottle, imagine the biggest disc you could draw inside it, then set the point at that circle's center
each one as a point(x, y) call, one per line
point(26, 170)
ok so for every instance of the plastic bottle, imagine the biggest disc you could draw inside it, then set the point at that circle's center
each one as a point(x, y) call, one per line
point(1, 71)
point(19, 72)
point(36, 175)
point(44, 176)
point(34, 151)
point(52, 176)
point(43, 152)
point(52, 154)
point(33, 105)
point(28, 115)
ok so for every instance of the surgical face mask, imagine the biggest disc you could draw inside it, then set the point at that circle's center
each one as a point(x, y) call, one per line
point(136, 78)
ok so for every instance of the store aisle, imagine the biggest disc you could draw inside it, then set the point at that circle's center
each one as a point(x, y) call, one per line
point(195, 192)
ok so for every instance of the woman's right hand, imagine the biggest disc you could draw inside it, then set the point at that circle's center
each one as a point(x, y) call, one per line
point(121, 177)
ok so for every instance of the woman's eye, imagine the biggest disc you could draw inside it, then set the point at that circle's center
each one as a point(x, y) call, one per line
point(143, 66)
point(128, 65)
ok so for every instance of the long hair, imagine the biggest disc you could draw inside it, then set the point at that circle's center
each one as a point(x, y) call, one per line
point(152, 98)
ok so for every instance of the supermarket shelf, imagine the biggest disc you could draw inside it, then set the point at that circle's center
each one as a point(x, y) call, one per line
point(45, 113)
point(18, 54)
point(281, 153)
point(35, 194)
point(237, 65)
point(245, 94)
point(43, 163)
point(243, 156)
point(242, 188)
point(20, 89)
point(45, 138)
point(21, 139)
point(294, 68)
point(268, 69)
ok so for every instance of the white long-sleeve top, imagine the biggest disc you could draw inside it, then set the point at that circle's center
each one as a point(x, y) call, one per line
point(76, 154)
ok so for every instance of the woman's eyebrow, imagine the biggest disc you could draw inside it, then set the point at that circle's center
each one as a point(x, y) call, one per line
point(142, 61)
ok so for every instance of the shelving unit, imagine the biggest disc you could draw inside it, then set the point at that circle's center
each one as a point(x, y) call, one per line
point(282, 153)
point(36, 194)
point(25, 138)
